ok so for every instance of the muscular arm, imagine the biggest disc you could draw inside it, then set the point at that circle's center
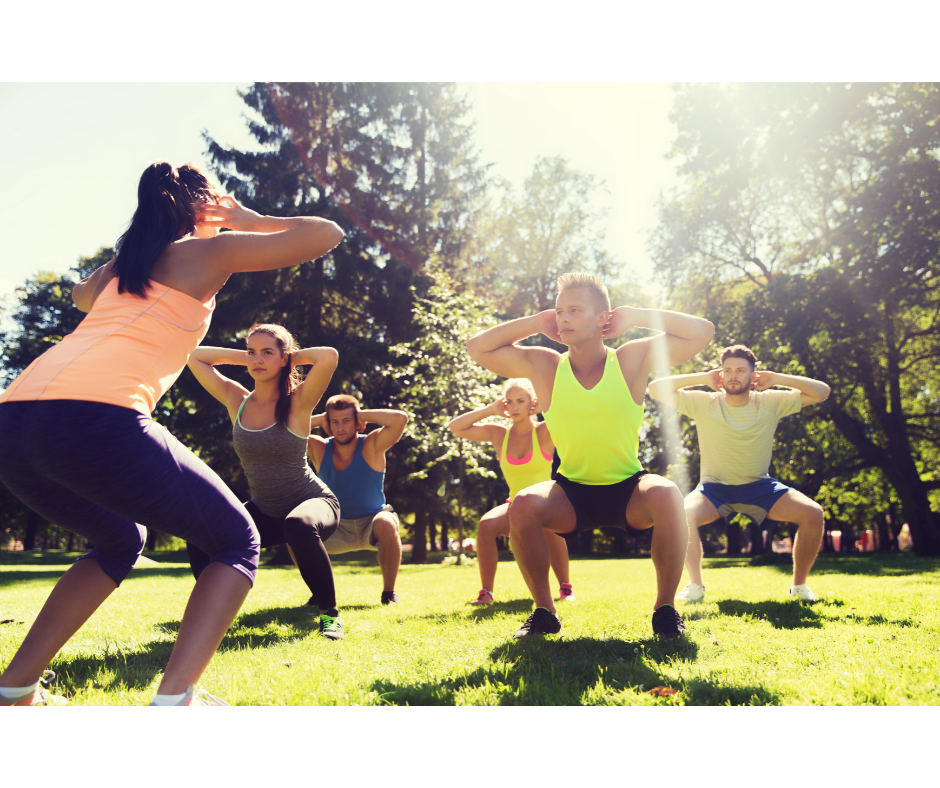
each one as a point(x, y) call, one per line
point(324, 361)
point(86, 292)
point(316, 447)
point(664, 389)
point(465, 425)
point(812, 392)
point(202, 363)
point(199, 266)
point(391, 423)
point(495, 350)
point(682, 337)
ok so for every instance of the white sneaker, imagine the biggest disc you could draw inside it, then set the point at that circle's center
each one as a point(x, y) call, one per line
point(691, 593)
point(198, 697)
point(803, 594)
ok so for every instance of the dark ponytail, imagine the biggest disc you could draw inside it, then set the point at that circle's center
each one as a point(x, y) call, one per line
point(166, 210)
point(290, 377)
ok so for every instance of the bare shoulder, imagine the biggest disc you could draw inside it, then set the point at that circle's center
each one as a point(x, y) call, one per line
point(316, 447)
point(191, 265)
point(545, 361)
point(633, 353)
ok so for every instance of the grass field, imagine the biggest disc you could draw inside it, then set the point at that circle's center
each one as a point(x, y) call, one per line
point(874, 639)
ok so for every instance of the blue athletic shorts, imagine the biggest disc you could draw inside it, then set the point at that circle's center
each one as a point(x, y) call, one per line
point(754, 499)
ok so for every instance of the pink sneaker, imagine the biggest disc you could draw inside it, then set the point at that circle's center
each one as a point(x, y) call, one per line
point(484, 598)
point(566, 593)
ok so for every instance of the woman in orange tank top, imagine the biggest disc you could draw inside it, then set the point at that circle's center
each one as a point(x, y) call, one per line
point(81, 449)
point(515, 447)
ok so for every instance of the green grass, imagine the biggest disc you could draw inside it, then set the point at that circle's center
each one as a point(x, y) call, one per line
point(875, 639)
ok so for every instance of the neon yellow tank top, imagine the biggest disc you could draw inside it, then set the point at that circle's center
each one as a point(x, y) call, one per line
point(520, 476)
point(596, 432)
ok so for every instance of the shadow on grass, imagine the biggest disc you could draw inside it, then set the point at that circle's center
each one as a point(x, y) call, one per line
point(13, 577)
point(557, 671)
point(871, 564)
point(262, 627)
point(523, 605)
point(136, 667)
point(117, 667)
point(781, 615)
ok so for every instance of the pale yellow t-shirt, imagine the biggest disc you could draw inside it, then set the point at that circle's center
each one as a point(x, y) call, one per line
point(736, 443)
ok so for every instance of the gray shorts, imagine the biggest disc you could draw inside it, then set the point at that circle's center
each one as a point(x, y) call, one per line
point(356, 534)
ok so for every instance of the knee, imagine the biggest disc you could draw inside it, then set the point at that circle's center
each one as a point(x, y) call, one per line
point(524, 511)
point(385, 529)
point(118, 557)
point(296, 527)
point(665, 495)
point(815, 517)
point(488, 529)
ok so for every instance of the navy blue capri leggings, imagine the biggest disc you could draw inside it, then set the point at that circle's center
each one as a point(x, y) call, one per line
point(107, 473)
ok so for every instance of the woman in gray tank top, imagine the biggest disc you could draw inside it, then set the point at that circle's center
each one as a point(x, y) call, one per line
point(270, 425)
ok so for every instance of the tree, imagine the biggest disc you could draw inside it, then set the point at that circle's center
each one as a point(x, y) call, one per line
point(394, 165)
point(533, 237)
point(809, 228)
point(438, 382)
point(45, 313)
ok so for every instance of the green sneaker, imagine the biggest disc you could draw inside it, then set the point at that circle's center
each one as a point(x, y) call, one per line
point(331, 627)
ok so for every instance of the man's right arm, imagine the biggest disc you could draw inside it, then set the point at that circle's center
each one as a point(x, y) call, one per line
point(664, 389)
point(316, 448)
point(495, 348)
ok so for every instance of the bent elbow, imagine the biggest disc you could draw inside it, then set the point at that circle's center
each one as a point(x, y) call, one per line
point(473, 348)
point(338, 232)
point(827, 390)
point(77, 298)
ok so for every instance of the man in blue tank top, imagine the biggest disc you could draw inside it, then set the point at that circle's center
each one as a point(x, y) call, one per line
point(353, 467)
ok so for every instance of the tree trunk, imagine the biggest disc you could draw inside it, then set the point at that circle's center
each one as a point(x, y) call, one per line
point(419, 545)
point(460, 486)
point(432, 530)
point(586, 541)
point(281, 557)
point(151, 544)
point(757, 538)
point(734, 536)
point(884, 533)
point(445, 526)
point(620, 545)
point(70, 546)
point(32, 526)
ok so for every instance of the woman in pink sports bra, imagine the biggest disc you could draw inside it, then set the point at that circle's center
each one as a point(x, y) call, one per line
point(80, 447)
point(525, 457)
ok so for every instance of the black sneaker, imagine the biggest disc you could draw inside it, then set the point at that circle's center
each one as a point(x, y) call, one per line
point(331, 627)
point(541, 622)
point(667, 623)
point(390, 598)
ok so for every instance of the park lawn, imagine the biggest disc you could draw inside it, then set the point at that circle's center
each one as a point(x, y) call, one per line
point(874, 639)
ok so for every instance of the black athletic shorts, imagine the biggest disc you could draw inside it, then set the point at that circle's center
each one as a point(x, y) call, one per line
point(599, 505)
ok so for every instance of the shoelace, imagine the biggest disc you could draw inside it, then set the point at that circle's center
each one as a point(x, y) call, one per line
point(327, 622)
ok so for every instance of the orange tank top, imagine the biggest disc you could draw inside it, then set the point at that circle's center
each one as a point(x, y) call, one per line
point(127, 351)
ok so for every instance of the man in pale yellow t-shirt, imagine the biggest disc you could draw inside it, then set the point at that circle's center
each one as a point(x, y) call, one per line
point(736, 424)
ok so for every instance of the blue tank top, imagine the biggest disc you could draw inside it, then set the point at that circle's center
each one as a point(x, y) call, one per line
point(360, 490)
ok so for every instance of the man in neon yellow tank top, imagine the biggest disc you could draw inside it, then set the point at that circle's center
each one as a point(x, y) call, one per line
point(592, 399)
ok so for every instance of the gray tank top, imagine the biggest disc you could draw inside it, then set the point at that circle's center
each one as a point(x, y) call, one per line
point(275, 464)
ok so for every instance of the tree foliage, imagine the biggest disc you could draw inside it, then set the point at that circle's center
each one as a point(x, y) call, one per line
point(808, 227)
